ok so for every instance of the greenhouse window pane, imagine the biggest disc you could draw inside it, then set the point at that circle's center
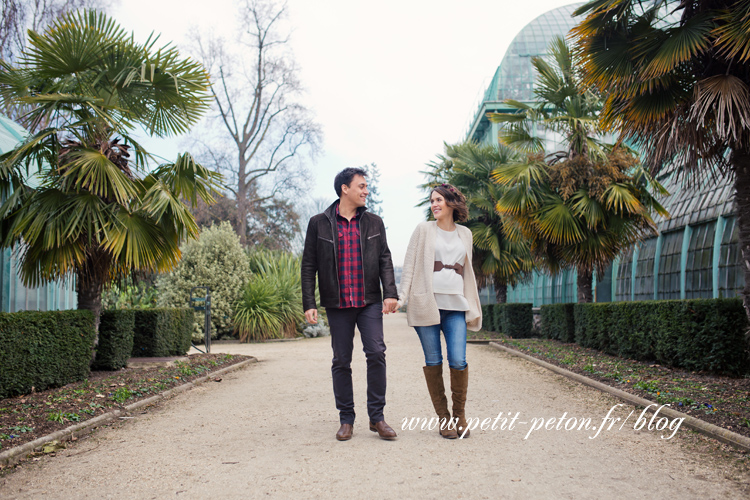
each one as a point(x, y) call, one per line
point(625, 277)
point(699, 271)
point(731, 277)
point(669, 266)
point(644, 270)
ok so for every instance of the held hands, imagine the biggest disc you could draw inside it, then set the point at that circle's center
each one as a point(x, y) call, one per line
point(390, 305)
point(311, 316)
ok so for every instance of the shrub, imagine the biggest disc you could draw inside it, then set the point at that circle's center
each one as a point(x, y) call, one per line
point(514, 319)
point(497, 317)
point(317, 330)
point(116, 330)
point(40, 350)
point(558, 322)
point(257, 315)
point(127, 295)
point(216, 260)
point(486, 323)
point(271, 302)
point(162, 332)
point(696, 334)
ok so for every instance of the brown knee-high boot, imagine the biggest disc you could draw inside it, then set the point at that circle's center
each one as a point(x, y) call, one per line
point(459, 384)
point(434, 377)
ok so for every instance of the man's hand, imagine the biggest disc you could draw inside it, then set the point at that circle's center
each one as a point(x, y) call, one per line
point(311, 316)
point(390, 305)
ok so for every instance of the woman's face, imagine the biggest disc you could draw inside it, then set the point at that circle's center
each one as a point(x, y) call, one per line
point(440, 209)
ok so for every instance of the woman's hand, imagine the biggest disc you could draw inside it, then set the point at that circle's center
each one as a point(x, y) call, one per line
point(389, 306)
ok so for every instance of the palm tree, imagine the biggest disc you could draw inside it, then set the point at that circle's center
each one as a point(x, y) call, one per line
point(497, 259)
point(582, 206)
point(89, 215)
point(678, 82)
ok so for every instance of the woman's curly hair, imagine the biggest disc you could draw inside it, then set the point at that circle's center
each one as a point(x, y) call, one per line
point(454, 199)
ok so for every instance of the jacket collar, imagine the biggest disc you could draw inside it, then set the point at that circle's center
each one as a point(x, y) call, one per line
point(331, 210)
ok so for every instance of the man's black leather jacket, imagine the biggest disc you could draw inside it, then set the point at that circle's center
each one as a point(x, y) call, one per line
point(321, 257)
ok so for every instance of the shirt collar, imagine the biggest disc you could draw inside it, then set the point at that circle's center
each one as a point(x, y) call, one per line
point(360, 211)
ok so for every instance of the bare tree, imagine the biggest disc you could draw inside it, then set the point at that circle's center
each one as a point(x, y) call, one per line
point(307, 209)
point(265, 133)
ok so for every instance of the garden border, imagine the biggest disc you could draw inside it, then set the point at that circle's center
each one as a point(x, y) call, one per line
point(710, 430)
point(14, 455)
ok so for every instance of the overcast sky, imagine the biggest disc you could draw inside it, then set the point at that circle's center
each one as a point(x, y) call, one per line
point(388, 81)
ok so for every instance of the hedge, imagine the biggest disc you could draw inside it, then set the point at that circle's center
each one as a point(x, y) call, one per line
point(518, 319)
point(487, 320)
point(498, 323)
point(696, 334)
point(514, 320)
point(558, 322)
point(44, 349)
point(162, 332)
point(115, 339)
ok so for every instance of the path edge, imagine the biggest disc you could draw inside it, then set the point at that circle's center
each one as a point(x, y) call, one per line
point(713, 431)
point(14, 455)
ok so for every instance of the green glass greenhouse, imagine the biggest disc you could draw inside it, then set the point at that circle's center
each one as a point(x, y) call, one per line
point(696, 253)
point(14, 296)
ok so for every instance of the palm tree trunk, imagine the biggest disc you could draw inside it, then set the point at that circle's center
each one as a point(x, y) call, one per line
point(741, 165)
point(89, 285)
point(90, 298)
point(585, 286)
point(501, 293)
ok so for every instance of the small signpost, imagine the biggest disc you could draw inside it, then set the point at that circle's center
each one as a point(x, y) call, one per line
point(203, 304)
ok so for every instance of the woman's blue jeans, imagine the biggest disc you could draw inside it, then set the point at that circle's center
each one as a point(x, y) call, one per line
point(453, 325)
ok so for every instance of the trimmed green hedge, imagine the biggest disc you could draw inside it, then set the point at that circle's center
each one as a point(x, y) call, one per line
point(696, 334)
point(514, 320)
point(558, 322)
point(115, 339)
point(41, 350)
point(487, 320)
point(162, 332)
point(498, 323)
point(517, 319)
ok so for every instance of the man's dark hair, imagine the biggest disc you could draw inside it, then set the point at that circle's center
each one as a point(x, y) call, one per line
point(345, 177)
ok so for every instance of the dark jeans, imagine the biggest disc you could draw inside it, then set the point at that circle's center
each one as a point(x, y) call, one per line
point(369, 320)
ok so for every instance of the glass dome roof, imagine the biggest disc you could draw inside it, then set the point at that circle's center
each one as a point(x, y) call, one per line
point(515, 75)
point(11, 134)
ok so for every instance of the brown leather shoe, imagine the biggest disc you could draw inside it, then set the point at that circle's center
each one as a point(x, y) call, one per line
point(345, 432)
point(384, 430)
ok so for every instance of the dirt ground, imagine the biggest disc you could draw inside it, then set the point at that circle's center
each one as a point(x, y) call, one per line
point(268, 431)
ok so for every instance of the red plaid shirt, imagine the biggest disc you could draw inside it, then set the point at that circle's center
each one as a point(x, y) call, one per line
point(351, 280)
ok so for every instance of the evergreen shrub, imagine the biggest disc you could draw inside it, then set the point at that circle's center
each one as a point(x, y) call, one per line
point(216, 260)
point(116, 329)
point(497, 318)
point(44, 349)
point(488, 321)
point(162, 332)
point(558, 322)
point(516, 319)
point(696, 334)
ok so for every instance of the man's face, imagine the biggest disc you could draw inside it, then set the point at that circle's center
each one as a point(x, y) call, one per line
point(356, 192)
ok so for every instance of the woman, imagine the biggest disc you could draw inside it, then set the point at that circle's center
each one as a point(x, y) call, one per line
point(438, 282)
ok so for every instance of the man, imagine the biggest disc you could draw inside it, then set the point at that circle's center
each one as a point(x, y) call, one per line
point(347, 249)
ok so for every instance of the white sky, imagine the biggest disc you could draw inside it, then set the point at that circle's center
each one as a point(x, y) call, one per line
point(388, 81)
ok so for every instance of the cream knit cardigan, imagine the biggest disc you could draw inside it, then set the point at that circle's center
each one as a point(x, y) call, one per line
point(416, 279)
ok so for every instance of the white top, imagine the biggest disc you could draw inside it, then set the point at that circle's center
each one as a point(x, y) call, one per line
point(447, 284)
point(416, 279)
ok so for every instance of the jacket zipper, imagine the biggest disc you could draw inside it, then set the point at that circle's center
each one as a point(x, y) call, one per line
point(335, 231)
point(362, 257)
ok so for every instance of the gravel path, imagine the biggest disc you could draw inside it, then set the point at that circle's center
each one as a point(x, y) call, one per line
point(268, 431)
